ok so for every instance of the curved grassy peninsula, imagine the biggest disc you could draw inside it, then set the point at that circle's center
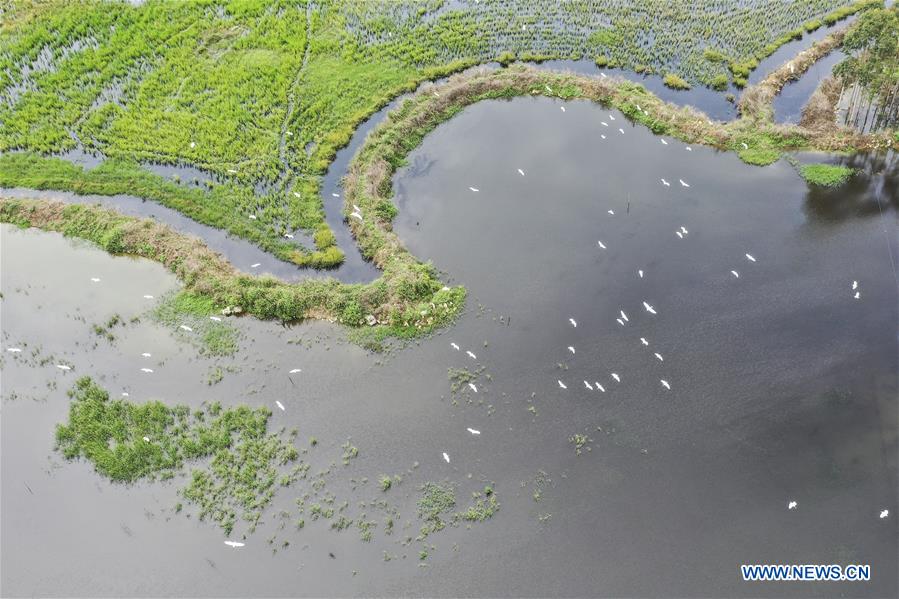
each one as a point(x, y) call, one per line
point(408, 299)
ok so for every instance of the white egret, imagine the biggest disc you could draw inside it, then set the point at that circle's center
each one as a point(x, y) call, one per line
point(603, 123)
point(621, 322)
point(611, 118)
point(288, 236)
point(193, 145)
point(858, 295)
point(735, 274)
point(147, 439)
point(588, 385)
point(679, 234)
point(548, 88)
point(689, 149)
point(659, 357)
point(294, 371)
point(232, 171)
point(335, 195)
point(884, 514)
point(357, 209)
point(603, 75)
point(571, 349)
point(684, 183)
point(601, 245)
point(357, 216)
point(14, 350)
point(146, 354)
point(124, 394)
point(474, 189)
point(257, 265)
point(624, 316)
point(186, 328)
point(252, 217)
point(665, 183)
point(473, 387)
point(573, 322)
point(473, 431)
point(147, 370)
point(621, 130)
point(683, 230)
point(455, 346)
point(95, 280)
point(561, 385)
point(148, 297)
point(745, 147)
point(521, 172)
point(792, 505)
point(63, 367)
point(854, 285)
point(471, 355)
point(600, 387)
point(649, 308)
point(215, 318)
point(644, 341)
point(563, 108)
point(640, 273)
point(612, 212)
point(638, 107)
point(664, 143)
point(446, 458)
point(602, 135)
point(234, 544)
point(616, 377)
point(665, 384)
point(750, 257)
point(280, 405)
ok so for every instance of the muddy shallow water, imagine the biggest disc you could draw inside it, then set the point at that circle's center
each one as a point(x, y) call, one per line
point(783, 387)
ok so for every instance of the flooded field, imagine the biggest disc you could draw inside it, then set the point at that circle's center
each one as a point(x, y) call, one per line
point(781, 385)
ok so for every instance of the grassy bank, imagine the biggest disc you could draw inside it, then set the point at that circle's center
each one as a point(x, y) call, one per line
point(408, 300)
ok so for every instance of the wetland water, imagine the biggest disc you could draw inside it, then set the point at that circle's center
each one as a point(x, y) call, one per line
point(783, 387)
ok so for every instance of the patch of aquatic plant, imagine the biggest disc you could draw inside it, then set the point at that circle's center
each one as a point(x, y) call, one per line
point(106, 329)
point(127, 442)
point(437, 503)
point(580, 442)
point(674, 82)
point(460, 378)
point(825, 175)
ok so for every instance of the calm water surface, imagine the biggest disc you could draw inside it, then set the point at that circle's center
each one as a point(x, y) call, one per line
point(783, 387)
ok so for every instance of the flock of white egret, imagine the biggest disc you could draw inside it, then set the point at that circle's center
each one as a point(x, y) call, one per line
point(622, 318)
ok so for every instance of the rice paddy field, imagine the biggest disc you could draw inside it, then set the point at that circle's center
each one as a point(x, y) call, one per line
point(447, 297)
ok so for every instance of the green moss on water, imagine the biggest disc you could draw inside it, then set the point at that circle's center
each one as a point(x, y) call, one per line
point(825, 175)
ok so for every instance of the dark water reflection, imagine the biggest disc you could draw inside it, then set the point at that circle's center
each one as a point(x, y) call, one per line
point(783, 386)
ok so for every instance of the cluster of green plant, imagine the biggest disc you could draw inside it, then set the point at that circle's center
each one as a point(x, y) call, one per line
point(825, 175)
point(674, 82)
point(437, 502)
point(127, 442)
